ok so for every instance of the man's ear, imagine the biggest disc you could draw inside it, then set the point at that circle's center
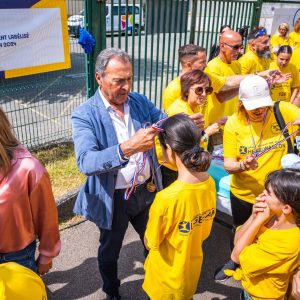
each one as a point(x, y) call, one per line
point(188, 65)
point(98, 79)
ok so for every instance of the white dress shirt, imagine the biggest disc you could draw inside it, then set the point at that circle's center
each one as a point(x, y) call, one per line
point(124, 130)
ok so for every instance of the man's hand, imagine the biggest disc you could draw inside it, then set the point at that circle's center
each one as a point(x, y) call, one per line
point(141, 141)
point(198, 120)
point(274, 76)
point(44, 268)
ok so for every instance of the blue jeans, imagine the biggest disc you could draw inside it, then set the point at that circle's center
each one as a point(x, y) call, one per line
point(24, 257)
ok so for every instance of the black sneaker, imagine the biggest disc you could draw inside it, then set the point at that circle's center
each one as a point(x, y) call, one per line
point(219, 273)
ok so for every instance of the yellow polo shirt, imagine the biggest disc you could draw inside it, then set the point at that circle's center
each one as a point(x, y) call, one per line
point(251, 63)
point(216, 109)
point(282, 91)
point(179, 221)
point(247, 185)
point(173, 90)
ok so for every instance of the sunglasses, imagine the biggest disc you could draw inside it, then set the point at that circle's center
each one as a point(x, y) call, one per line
point(199, 90)
point(260, 32)
point(234, 47)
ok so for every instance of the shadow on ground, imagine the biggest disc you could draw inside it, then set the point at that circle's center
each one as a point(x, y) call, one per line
point(83, 280)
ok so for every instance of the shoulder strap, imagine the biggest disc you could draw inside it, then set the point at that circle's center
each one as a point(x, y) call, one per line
point(281, 124)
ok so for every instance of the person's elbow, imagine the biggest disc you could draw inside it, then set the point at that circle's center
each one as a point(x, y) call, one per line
point(235, 256)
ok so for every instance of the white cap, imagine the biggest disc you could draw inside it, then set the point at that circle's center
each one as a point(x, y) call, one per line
point(290, 160)
point(254, 92)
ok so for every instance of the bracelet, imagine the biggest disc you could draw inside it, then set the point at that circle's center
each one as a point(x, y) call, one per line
point(242, 166)
point(205, 137)
point(122, 155)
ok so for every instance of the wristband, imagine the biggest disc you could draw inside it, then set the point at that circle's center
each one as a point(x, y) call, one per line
point(121, 153)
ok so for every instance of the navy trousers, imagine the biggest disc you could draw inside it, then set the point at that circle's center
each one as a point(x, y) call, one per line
point(134, 210)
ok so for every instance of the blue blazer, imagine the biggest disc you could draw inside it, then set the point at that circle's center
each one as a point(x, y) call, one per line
point(96, 149)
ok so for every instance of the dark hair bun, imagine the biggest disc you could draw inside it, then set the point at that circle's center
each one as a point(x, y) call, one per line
point(196, 159)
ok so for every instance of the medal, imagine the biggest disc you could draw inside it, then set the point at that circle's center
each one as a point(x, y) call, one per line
point(151, 187)
point(140, 179)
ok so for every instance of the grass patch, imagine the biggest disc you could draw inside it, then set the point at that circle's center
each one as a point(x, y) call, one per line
point(61, 166)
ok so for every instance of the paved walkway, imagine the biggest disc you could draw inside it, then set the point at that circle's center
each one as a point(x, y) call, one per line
point(75, 273)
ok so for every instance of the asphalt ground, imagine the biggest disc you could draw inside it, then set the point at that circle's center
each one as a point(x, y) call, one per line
point(75, 272)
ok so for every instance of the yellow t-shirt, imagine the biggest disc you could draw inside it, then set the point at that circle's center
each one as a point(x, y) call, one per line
point(267, 264)
point(295, 38)
point(277, 41)
point(216, 109)
point(251, 63)
point(282, 91)
point(238, 143)
point(180, 219)
point(173, 90)
point(18, 282)
point(179, 106)
point(295, 60)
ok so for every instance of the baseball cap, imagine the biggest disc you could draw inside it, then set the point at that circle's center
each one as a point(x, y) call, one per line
point(290, 160)
point(254, 92)
point(18, 282)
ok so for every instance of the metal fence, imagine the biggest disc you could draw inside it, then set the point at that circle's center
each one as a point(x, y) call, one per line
point(40, 105)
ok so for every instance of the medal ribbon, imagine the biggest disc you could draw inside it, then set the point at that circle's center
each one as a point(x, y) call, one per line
point(276, 144)
point(133, 180)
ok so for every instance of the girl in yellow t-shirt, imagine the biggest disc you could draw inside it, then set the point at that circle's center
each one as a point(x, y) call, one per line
point(288, 90)
point(181, 215)
point(267, 245)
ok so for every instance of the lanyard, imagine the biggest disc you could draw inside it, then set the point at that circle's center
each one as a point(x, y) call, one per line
point(138, 171)
point(255, 152)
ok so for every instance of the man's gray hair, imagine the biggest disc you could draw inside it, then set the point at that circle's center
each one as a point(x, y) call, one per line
point(106, 55)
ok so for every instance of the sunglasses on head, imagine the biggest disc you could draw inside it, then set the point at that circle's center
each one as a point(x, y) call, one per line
point(234, 47)
point(199, 90)
point(260, 32)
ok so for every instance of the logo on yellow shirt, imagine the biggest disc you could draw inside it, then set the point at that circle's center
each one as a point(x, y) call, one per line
point(275, 128)
point(243, 150)
point(185, 227)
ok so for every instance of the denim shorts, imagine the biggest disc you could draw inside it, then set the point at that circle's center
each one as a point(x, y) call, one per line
point(24, 257)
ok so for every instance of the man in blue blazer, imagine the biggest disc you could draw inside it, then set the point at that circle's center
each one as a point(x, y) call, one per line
point(113, 142)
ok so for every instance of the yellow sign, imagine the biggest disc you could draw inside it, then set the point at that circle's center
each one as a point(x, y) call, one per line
point(33, 37)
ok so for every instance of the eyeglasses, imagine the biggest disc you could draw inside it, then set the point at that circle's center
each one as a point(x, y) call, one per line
point(200, 89)
point(260, 32)
point(234, 47)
